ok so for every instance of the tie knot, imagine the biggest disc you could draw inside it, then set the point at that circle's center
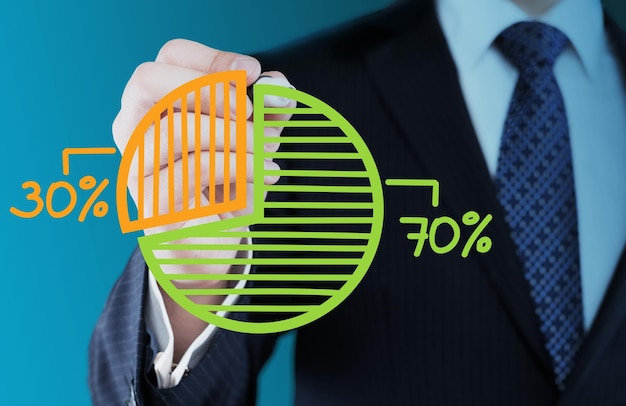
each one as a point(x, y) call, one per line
point(531, 44)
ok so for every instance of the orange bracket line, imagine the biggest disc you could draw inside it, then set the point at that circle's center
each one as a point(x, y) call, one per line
point(83, 151)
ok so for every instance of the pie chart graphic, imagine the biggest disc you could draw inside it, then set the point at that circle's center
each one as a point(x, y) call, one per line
point(310, 238)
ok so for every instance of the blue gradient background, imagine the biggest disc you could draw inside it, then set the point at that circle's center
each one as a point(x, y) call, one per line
point(64, 65)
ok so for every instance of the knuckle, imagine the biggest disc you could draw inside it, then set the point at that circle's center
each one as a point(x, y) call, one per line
point(128, 95)
point(221, 61)
point(121, 134)
point(272, 147)
point(169, 50)
point(136, 85)
point(137, 96)
point(142, 74)
point(117, 132)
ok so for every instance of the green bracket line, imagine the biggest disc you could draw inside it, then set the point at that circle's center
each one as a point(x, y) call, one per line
point(433, 183)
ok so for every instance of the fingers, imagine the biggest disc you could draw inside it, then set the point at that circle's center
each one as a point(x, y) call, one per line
point(182, 185)
point(249, 209)
point(151, 81)
point(185, 152)
point(159, 148)
point(159, 140)
point(199, 57)
point(277, 79)
point(274, 101)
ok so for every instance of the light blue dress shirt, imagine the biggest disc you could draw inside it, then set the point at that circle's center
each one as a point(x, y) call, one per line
point(592, 85)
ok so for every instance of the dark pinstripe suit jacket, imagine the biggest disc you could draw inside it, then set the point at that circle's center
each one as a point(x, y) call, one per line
point(436, 330)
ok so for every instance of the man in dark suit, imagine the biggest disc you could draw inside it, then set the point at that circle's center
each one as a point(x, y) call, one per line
point(438, 329)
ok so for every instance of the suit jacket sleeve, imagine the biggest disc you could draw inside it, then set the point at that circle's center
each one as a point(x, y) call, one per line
point(120, 356)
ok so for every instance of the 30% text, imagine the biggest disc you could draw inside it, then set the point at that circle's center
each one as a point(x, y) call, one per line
point(69, 193)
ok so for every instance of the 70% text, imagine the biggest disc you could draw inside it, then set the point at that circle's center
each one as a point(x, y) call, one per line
point(471, 218)
point(477, 240)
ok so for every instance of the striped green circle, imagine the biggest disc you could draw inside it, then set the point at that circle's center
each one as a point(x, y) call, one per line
point(358, 248)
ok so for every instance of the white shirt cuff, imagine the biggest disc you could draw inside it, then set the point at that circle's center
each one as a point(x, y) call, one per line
point(158, 323)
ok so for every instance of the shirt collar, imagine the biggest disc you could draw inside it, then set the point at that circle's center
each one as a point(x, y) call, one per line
point(470, 27)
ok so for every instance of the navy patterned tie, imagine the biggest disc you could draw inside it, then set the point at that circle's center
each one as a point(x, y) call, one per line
point(535, 183)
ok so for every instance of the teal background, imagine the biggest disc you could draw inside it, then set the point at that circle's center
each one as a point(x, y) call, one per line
point(63, 68)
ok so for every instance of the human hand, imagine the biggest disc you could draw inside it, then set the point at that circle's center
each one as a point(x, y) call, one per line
point(178, 62)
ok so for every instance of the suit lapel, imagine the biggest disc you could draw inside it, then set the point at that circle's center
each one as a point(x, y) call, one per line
point(611, 315)
point(444, 141)
point(612, 312)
